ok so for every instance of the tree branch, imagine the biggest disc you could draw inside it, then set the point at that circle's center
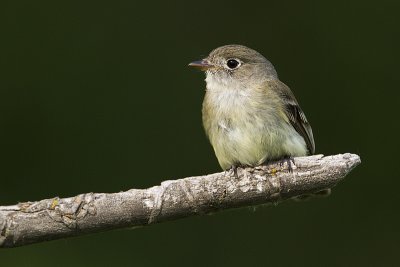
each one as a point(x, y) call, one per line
point(55, 218)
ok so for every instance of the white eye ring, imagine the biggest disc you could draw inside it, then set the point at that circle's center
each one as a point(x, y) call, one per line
point(233, 63)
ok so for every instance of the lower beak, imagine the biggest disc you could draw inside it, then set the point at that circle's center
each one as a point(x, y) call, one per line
point(201, 64)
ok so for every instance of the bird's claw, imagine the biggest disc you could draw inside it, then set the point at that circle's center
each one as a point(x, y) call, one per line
point(289, 160)
point(234, 170)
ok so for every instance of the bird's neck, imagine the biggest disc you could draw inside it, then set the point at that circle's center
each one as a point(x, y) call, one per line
point(225, 85)
point(227, 96)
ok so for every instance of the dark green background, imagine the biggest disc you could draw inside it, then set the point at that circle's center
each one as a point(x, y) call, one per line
point(96, 96)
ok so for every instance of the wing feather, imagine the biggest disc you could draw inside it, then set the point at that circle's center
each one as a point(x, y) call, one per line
point(294, 113)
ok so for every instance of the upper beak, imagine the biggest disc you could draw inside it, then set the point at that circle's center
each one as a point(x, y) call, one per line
point(201, 64)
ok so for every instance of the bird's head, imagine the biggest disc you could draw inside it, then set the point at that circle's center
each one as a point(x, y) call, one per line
point(237, 64)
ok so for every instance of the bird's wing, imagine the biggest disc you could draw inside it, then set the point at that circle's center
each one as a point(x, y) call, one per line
point(294, 113)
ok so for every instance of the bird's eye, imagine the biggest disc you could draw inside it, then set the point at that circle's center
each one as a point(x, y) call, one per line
point(232, 63)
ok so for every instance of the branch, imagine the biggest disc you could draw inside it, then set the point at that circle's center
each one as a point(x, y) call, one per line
point(33, 222)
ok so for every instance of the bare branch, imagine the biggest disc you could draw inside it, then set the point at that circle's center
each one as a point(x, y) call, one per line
point(49, 219)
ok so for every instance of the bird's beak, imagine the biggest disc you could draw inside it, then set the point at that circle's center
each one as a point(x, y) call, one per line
point(201, 64)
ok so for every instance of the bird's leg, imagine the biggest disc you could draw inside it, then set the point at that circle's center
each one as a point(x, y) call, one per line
point(234, 169)
point(289, 160)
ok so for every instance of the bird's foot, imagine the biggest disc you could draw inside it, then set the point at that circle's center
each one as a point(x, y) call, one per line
point(289, 160)
point(234, 168)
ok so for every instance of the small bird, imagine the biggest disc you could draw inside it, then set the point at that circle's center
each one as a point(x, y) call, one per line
point(249, 115)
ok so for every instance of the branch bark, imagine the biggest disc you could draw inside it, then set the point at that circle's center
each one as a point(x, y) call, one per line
point(32, 222)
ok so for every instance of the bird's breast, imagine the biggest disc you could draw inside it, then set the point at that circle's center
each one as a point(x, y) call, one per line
point(233, 126)
point(247, 127)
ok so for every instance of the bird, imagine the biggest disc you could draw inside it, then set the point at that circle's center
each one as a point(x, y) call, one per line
point(249, 116)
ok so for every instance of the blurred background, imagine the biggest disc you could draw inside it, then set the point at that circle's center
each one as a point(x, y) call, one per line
point(96, 96)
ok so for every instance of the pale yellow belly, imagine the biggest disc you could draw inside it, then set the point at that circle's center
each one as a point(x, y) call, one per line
point(253, 143)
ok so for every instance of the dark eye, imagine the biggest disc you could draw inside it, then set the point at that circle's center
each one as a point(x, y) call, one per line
point(232, 63)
